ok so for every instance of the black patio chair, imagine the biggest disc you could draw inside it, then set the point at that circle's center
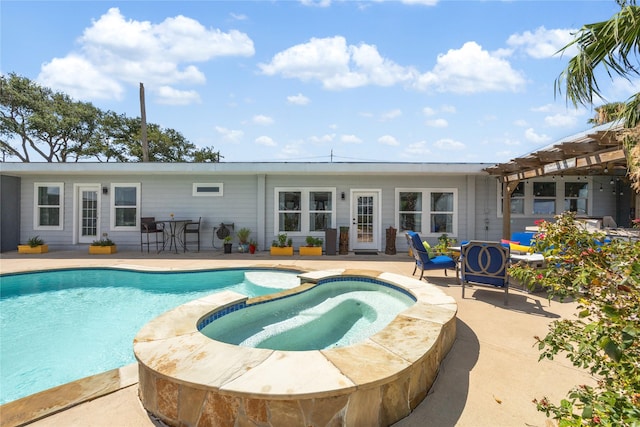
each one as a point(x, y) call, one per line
point(191, 227)
point(149, 226)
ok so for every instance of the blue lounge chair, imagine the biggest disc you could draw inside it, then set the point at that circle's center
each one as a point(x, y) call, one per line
point(485, 263)
point(423, 260)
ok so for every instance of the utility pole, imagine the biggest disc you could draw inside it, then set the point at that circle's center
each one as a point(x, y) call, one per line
point(143, 130)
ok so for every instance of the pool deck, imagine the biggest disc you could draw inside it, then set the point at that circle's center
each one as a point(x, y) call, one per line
point(489, 377)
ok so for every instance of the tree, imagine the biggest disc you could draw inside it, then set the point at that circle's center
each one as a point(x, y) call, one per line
point(604, 337)
point(612, 45)
point(36, 121)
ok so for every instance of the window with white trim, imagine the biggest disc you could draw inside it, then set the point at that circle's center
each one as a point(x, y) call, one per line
point(207, 189)
point(576, 197)
point(427, 211)
point(549, 197)
point(49, 205)
point(125, 206)
point(304, 211)
point(544, 198)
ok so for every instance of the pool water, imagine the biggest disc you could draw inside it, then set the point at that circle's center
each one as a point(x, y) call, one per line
point(60, 326)
point(332, 314)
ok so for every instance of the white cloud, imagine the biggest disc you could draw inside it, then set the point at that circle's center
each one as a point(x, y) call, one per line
point(298, 99)
point(419, 149)
point(543, 43)
point(471, 69)
point(437, 123)
point(448, 109)
point(421, 2)
point(560, 120)
point(390, 115)
point(230, 134)
point(388, 140)
point(63, 74)
point(323, 139)
point(170, 96)
point(115, 52)
point(449, 144)
point(428, 111)
point(350, 139)
point(262, 120)
point(521, 123)
point(238, 16)
point(316, 3)
point(265, 140)
point(532, 136)
point(336, 64)
point(547, 108)
point(621, 89)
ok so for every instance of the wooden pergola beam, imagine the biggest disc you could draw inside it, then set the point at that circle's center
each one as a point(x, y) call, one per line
point(573, 163)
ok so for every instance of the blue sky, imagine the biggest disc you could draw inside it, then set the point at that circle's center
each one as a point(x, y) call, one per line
point(414, 80)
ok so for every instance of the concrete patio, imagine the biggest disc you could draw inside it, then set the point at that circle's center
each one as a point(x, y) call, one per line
point(489, 378)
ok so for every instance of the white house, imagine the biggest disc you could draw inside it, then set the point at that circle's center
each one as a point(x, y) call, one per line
point(71, 204)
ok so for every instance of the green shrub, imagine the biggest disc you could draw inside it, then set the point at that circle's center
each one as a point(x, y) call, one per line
point(604, 337)
point(35, 241)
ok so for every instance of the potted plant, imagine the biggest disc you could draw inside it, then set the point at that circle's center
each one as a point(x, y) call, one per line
point(243, 239)
point(253, 245)
point(282, 246)
point(104, 246)
point(227, 245)
point(35, 245)
point(313, 247)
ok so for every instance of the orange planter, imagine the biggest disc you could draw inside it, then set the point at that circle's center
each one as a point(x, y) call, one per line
point(311, 250)
point(102, 250)
point(278, 251)
point(26, 249)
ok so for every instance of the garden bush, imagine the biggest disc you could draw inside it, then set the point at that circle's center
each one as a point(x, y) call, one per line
point(602, 275)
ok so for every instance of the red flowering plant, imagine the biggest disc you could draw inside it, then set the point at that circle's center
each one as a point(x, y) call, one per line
point(635, 223)
point(604, 337)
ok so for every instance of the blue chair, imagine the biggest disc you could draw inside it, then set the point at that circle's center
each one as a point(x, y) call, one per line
point(423, 260)
point(485, 263)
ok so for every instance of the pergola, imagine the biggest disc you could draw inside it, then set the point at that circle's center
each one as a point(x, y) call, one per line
point(593, 152)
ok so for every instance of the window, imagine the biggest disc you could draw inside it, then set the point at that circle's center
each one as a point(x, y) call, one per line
point(442, 213)
point(289, 212)
point(437, 216)
point(544, 198)
point(320, 207)
point(517, 200)
point(410, 211)
point(548, 198)
point(49, 204)
point(304, 211)
point(576, 197)
point(207, 190)
point(125, 206)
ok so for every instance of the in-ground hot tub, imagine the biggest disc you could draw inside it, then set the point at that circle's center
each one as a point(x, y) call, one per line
point(187, 378)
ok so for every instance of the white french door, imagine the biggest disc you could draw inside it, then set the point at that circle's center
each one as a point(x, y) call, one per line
point(88, 205)
point(365, 220)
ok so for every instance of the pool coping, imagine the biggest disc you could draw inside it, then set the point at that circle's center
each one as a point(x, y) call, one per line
point(176, 360)
point(48, 402)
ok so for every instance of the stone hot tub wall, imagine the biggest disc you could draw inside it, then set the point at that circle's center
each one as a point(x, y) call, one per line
point(188, 379)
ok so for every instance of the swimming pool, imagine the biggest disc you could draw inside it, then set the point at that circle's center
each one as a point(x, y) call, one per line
point(187, 378)
point(60, 326)
point(333, 314)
